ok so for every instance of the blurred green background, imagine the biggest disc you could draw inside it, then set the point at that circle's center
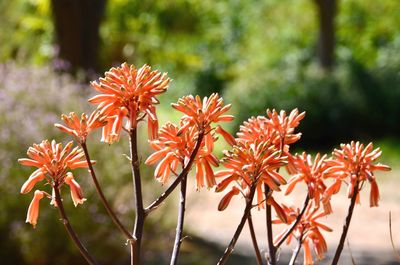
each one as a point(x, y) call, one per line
point(337, 60)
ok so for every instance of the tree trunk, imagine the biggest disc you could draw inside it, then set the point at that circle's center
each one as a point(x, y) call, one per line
point(76, 24)
point(326, 41)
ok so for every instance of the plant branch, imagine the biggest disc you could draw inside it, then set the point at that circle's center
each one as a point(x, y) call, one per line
point(293, 225)
point(397, 254)
point(140, 214)
point(179, 225)
point(268, 214)
point(110, 212)
point(254, 239)
point(70, 230)
point(178, 180)
point(246, 212)
point(296, 251)
point(346, 224)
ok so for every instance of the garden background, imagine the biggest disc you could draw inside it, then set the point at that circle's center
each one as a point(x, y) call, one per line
point(337, 60)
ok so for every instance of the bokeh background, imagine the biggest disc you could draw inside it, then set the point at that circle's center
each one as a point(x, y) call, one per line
point(338, 60)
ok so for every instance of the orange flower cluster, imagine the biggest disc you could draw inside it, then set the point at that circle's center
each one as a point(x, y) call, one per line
point(277, 128)
point(355, 163)
point(307, 230)
point(53, 162)
point(312, 172)
point(80, 129)
point(250, 164)
point(202, 112)
point(127, 92)
point(176, 144)
point(261, 149)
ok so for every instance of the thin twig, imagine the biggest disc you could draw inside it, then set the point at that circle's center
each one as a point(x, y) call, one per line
point(179, 225)
point(178, 180)
point(246, 212)
point(296, 251)
point(70, 230)
point(293, 225)
point(110, 211)
point(351, 253)
point(254, 239)
point(396, 253)
point(268, 216)
point(346, 224)
point(137, 185)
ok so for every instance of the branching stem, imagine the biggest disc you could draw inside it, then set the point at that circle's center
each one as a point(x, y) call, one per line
point(346, 224)
point(254, 239)
point(137, 185)
point(268, 215)
point(293, 225)
point(70, 230)
point(246, 212)
point(296, 251)
point(179, 225)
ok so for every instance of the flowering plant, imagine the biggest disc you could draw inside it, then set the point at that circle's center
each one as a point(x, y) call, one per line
point(252, 168)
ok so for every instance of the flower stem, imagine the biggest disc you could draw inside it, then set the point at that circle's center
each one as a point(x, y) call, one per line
point(178, 180)
point(296, 251)
point(70, 230)
point(246, 212)
point(179, 225)
point(268, 214)
point(293, 226)
point(346, 224)
point(137, 185)
point(254, 240)
point(110, 212)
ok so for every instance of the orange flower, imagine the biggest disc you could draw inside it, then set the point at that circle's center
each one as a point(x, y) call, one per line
point(76, 191)
point(355, 163)
point(307, 229)
point(304, 169)
point(81, 128)
point(52, 161)
point(202, 112)
point(251, 164)
point(277, 128)
point(175, 147)
point(33, 210)
point(127, 92)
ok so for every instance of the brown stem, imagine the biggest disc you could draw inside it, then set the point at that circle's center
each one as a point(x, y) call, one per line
point(246, 212)
point(293, 225)
point(110, 212)
point(268, 214)
point(137, 185)
point(396, 253)
point(346, 224)
point(70, 230)
point(296, 251)
point(179, 225)
point(254, 239)
point(178, 180)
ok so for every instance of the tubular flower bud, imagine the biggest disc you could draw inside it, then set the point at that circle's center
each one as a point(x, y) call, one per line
point(33, 210)
point(76, 191)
